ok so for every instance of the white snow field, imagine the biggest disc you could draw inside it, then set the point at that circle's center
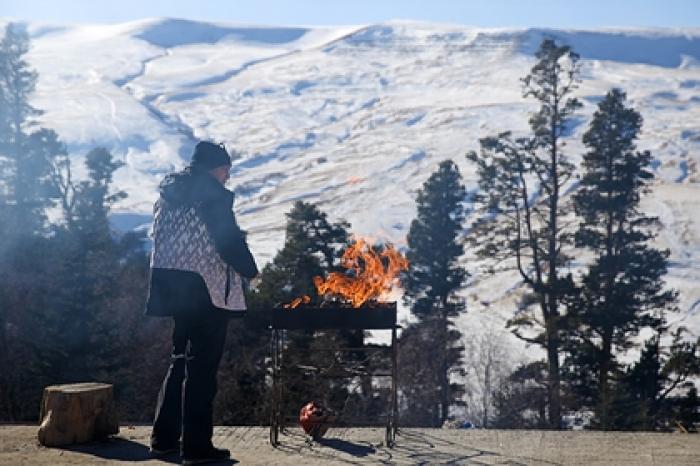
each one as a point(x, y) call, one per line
point(356, 119)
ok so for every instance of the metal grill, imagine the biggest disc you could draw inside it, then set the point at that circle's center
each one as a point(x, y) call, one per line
point(376, 316)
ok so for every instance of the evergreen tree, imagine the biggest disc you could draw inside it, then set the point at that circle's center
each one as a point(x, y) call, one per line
point(80, 339)
point(642, 399)
point(136, 344)
point(521, 402)
point(623, 290)
point(25, 157)
point(632, 405)
point(689, 410)
point(17, 84)
point(313, 247)
point(522, 181)
point(25, 193)
point(71, 294)
point(419, 383)
point(243, 381)
point(431, 284)
point(24, 273)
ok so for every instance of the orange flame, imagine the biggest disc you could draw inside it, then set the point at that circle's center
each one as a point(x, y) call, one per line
point(297, 301)
point(372, 274)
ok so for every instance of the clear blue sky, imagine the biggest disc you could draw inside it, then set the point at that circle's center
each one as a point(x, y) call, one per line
point(487, 13)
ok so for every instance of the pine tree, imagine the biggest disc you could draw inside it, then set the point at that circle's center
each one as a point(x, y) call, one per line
point(26, 191)
point(623, 290)
point(432, 281)
point(24, 274)
point(641, 399)
point(25, 156)
point(689, 410)
point(419, 382)
point(313, 247)
point(137, 344)
point(522, 181)
point(243, 377)
point(18, 83)
point(80, 331)
point(521, 402)
point(92, 201)
point(69, 292)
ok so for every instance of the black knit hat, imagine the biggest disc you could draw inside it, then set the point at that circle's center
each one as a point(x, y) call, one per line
point(208, 155)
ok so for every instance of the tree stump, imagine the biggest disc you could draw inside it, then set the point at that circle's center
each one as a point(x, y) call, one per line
point(76, 413)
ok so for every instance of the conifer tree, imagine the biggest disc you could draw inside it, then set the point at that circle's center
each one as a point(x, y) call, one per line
point(521, 401)
point(623, 290)
point(25, 192)
point(431, 285)
point(689, 410)
point(80, 329)
point(313, 247)
point(642, 397)
point(26, 156)
point(522, 181)
point(70, 292)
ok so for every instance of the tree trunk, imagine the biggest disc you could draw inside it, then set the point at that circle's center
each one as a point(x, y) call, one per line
point(552, 322)
point(553, 389)
point(487, 391)
point(603, 392)
point(77, 413)
point(444, 376)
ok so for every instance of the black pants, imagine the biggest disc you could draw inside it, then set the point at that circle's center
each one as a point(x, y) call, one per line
point(186, 408)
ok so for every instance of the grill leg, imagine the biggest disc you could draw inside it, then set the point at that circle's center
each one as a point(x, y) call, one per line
point(391, 425)
point(275, 405)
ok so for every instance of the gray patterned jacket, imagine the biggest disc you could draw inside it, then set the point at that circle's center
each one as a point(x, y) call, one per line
point(182, 242)
point(199, 252)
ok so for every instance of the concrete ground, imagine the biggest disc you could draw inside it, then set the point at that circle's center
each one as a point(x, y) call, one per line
point(250, 445)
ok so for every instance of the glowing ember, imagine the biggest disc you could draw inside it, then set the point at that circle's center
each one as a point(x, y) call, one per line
point(297, 301)
point(370, 275)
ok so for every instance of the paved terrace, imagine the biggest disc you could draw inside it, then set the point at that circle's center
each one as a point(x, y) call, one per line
point(249, 445)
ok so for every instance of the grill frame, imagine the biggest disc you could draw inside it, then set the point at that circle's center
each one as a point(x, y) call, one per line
point(378, 316)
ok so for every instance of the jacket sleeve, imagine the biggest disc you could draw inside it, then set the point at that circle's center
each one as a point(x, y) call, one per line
point(229, 239)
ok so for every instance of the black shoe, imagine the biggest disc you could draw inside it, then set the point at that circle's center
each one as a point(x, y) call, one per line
point(209, 456)
point(158, 452)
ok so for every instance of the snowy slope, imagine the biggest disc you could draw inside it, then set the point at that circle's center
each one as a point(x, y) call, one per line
point(356, 118)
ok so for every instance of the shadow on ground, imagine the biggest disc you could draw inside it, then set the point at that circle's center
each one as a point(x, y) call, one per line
point(421, 447)
point(354, 449)
point(120, 449)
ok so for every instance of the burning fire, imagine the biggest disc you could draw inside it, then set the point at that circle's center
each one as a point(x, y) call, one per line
point(370, 275)
point(297, 301)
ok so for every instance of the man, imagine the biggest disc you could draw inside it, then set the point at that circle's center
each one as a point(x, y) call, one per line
point(199, 255)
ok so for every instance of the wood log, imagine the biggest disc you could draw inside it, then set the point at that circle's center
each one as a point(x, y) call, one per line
point(77, 413)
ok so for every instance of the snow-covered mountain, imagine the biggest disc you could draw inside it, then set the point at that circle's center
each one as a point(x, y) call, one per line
point(356, 118)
